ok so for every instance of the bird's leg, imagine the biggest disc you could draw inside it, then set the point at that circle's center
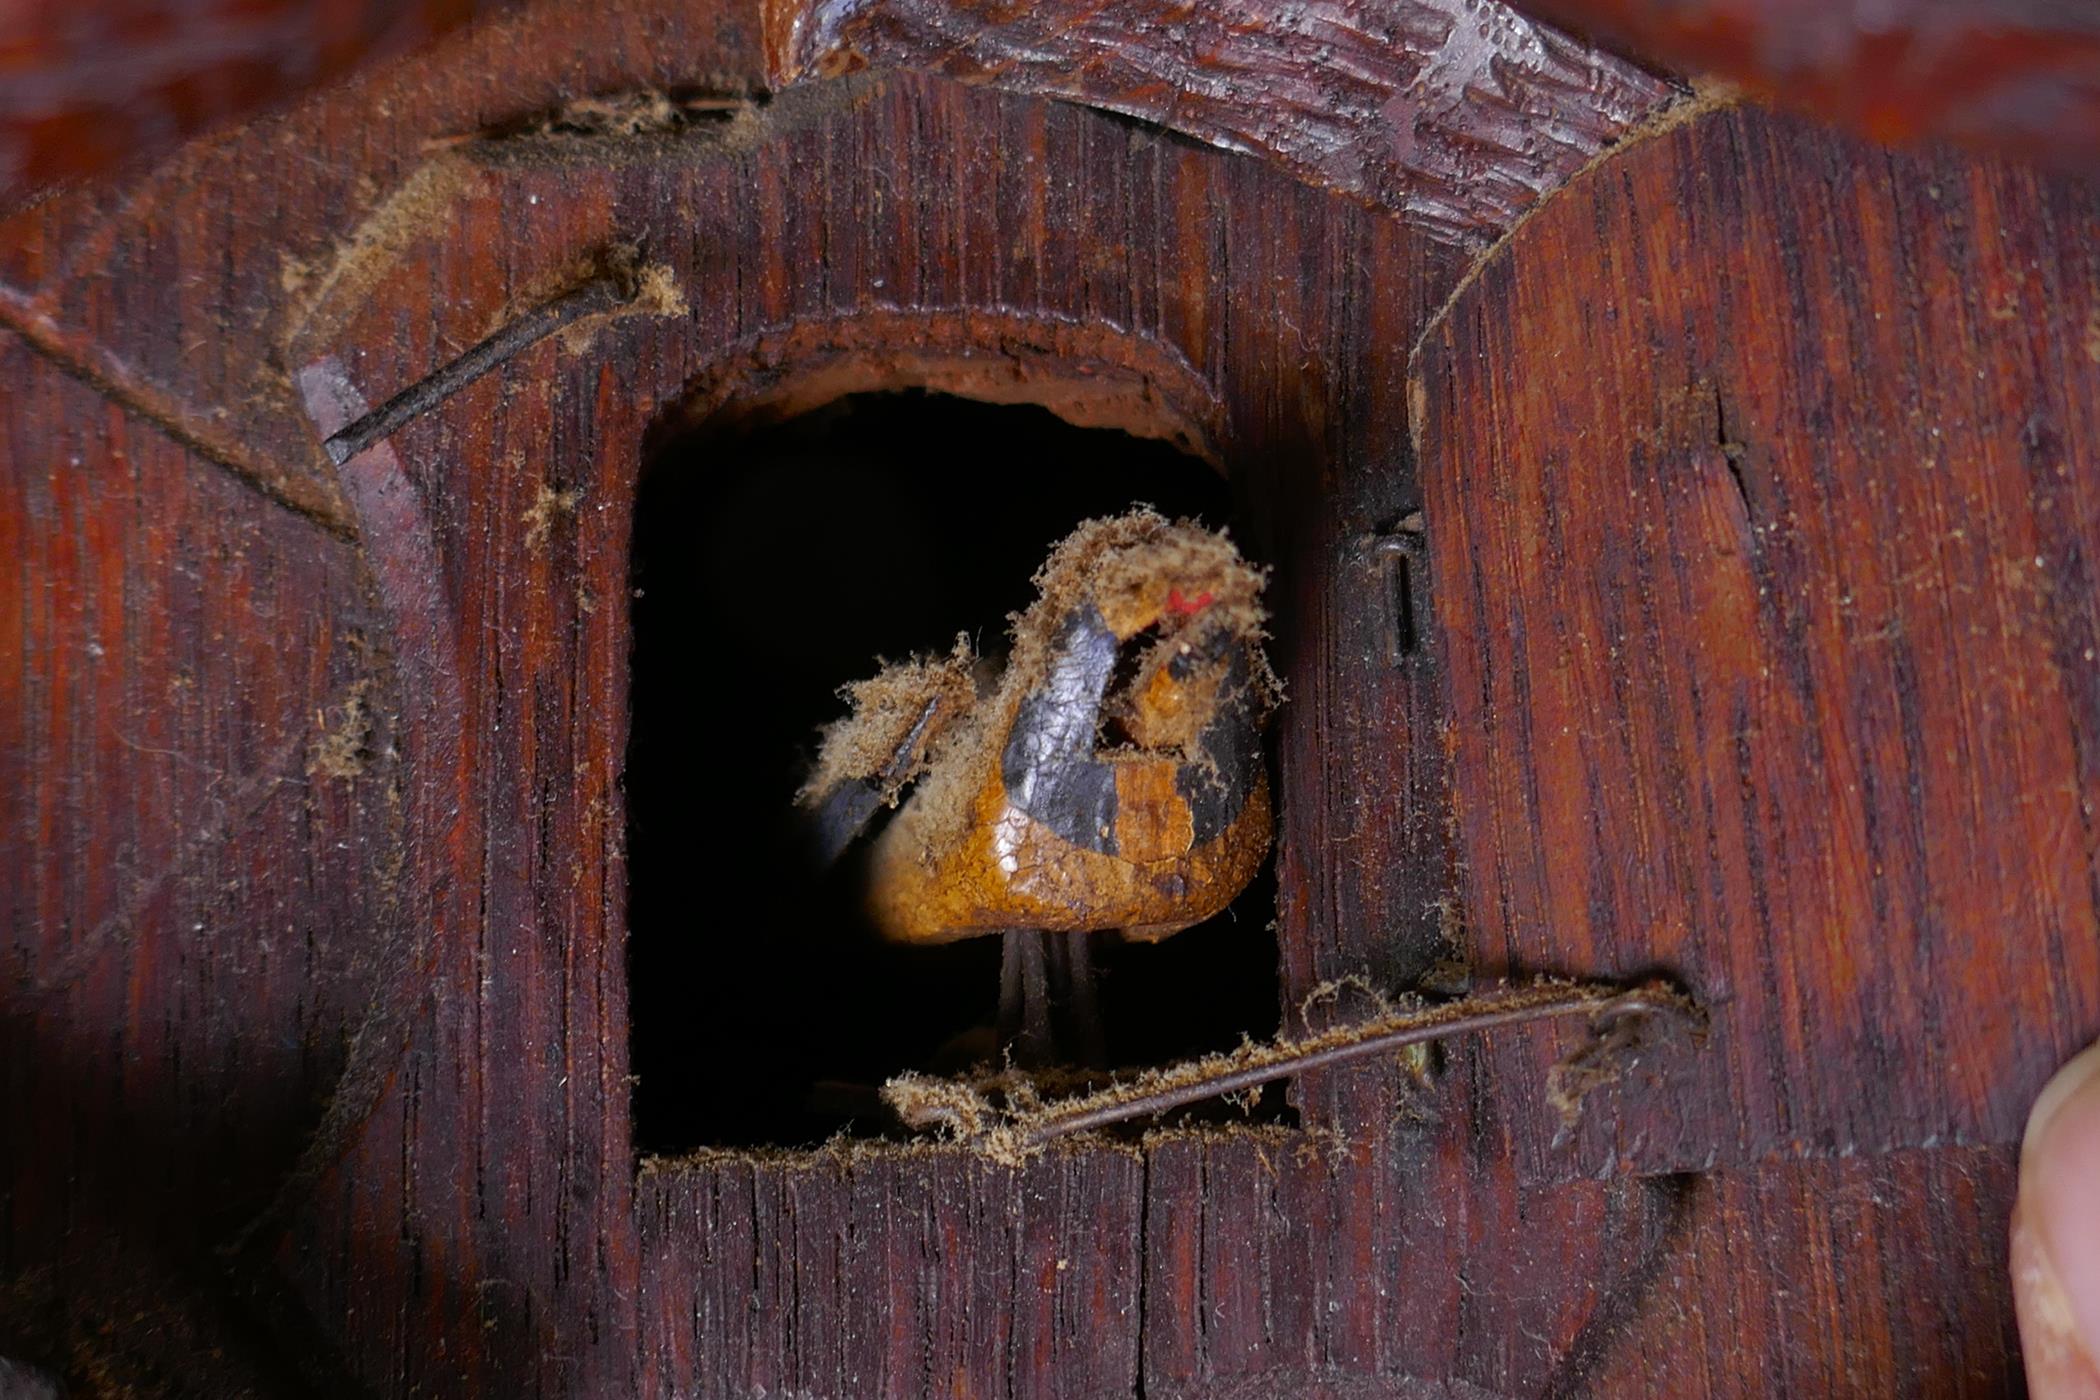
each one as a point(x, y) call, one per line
point(1024, 999)
point(1079, 1031)
point(1048, 1011)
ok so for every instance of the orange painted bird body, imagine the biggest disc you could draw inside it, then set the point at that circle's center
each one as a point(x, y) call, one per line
point(1113, 778)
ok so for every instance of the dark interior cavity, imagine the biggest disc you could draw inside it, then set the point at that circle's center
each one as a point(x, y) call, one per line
point(770, 568)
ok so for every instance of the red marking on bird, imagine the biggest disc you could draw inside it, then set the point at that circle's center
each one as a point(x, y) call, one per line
point(1184, 606)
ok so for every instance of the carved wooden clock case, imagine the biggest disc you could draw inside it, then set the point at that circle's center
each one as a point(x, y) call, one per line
point(1681, 517)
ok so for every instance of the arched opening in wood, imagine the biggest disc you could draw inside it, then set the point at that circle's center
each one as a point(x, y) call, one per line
point(796, 521)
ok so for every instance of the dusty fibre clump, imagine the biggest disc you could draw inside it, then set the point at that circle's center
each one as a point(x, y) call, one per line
point(1111, 777)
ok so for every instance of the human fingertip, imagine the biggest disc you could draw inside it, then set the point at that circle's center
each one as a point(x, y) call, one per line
point(2056, 1236)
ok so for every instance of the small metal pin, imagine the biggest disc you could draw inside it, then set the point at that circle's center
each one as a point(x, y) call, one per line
point(1393, 556)
point(605, 292)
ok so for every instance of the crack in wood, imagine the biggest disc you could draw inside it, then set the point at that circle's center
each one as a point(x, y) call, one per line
point(85, 359)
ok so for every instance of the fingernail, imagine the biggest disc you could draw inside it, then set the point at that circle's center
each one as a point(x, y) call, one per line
point(2056, 1232)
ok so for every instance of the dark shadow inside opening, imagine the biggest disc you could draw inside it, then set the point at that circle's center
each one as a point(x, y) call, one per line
point(769, 569)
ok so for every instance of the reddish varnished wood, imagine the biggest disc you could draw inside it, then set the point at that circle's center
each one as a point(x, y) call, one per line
point(94, 87)
point(190, 865)
point(87, 88)
point(1453, 114)
point(2017, 75)
point(1769, 626)
point(475, 1156)
point(466, 1215)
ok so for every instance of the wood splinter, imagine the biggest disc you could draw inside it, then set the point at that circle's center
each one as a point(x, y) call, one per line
point(1005, 1118)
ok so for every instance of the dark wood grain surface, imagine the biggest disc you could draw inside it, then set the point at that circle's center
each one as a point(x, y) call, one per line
point(1345, 91)
point(86, 89)
point(2016, 76)
point(317, 1054)
point(1454, 115)
point(1769, 624)
point(189, 690)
